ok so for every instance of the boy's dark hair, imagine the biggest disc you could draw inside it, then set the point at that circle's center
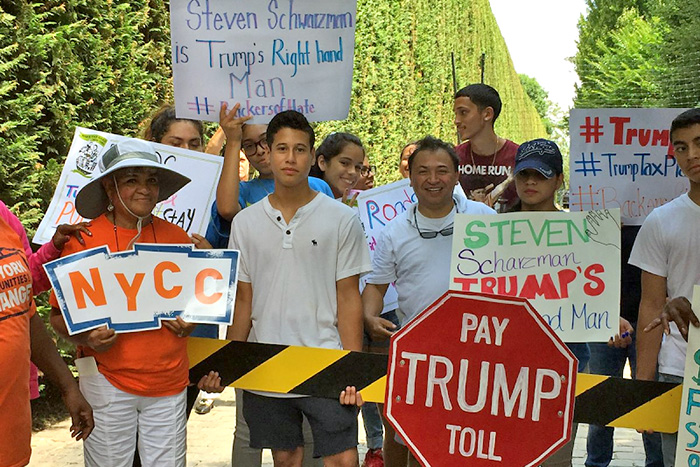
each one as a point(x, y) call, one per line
point(161, 121)
point(430, 143)
point(482, 95)
point(331, 147)
point(412, 143)
point(289, 119)
point(688, 118)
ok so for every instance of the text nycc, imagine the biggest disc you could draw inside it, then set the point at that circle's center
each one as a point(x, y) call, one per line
point(165, 285)
point(532, 387)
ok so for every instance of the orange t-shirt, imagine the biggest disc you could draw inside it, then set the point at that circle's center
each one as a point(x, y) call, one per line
point(145, 363)
point(16, 309)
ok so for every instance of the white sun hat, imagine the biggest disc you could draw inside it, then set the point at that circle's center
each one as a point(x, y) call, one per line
point(92, 199)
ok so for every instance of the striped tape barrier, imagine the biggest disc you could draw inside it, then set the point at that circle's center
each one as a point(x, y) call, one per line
point(600, 400)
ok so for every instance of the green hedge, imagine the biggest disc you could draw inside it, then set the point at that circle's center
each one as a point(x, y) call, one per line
point(403, 87)
point(93, 63)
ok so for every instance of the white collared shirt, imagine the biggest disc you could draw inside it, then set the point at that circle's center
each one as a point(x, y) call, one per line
point(420, 267)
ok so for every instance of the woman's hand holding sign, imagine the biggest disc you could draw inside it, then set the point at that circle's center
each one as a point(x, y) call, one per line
point(179, 327)
point(100, 339)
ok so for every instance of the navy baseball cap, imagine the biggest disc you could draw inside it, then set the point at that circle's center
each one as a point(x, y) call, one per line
point(540, 154)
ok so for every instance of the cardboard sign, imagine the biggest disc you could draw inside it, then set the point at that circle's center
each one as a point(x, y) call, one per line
point(189, 208)
point(466, 388)
point(688, 446)
point(270, 56)
point(623, 158)
point(566, 264)
point(134, 290)
point(377, 207)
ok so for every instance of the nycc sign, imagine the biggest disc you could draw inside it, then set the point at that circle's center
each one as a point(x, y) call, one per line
point(135, 290)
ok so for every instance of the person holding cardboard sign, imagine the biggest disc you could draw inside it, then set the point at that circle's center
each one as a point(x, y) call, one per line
point(317, 250)
point(538, 175)
point(414, 252)
point(134, 381)
point(233, 195)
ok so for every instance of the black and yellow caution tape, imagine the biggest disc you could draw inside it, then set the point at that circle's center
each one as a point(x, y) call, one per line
point(600, 400)
point(627, 403)
point(288, 369)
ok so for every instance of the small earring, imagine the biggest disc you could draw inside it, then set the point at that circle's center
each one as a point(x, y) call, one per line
point(110, 206)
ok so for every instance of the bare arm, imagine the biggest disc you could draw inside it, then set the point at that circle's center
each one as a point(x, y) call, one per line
point(349, 312)
point(650, 307)
point(45, 356)
point(216, 142)
point(680, 311)
point(229, 183)
point(373, 302)
point(242, 321)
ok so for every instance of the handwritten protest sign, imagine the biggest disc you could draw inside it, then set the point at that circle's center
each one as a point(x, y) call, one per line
point(270, 56)
point(566, 264)
point(623, 158)
point(134, 290)
point(189, 208)
point(377, 207)
point(688, 446)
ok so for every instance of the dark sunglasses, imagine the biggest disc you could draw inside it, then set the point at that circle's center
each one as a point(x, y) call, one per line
point(446, 232)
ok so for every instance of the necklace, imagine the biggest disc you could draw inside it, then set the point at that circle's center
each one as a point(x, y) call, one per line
point(116, 237)
point(495, 151)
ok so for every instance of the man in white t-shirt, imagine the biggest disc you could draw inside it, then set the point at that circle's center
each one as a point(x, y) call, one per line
point(414, 249)
point(666, 250)
point(298, 284)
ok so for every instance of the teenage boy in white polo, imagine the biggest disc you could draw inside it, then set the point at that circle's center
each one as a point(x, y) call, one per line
point(666, 250)
point(414, 252)
point(302, 254)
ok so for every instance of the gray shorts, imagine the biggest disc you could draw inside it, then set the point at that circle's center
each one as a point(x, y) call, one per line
point(276, 423)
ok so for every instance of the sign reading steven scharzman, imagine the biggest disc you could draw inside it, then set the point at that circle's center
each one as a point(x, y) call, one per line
point(270, 56)
point(566, 264)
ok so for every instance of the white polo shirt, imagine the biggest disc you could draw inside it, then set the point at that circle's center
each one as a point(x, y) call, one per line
point(419, 267)
point(293, 268)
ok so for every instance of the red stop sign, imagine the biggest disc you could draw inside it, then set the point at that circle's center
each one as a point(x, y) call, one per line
point(480, 380)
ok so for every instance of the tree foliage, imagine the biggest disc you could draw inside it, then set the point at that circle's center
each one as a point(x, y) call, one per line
point(540, 99)
point(680, 86)
point(627, 65)
point(639, 54)
point(97, 63)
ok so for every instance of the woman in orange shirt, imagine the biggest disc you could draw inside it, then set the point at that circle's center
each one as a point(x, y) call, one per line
point(134, 381)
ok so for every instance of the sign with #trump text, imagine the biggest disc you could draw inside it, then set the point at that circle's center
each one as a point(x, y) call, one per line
point(623, 158)
point(566, 264)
